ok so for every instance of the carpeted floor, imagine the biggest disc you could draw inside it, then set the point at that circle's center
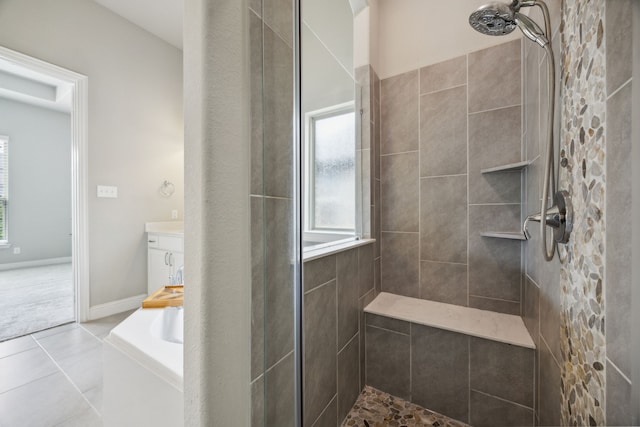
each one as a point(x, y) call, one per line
point(33, 299)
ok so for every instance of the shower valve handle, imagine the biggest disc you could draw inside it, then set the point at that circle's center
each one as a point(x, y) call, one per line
point(559, 217)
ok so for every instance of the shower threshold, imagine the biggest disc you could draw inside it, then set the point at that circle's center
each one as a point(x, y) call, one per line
point(375, 408)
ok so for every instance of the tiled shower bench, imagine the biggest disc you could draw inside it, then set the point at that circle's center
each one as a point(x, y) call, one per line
point(473, 365)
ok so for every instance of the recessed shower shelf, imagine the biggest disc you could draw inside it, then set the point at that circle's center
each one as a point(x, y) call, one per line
point(511, 167)
point(510, 235)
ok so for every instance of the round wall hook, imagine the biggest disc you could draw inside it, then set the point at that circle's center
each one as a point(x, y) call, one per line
point(167, 188)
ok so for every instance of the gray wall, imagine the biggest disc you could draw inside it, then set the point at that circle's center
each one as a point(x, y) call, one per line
point(135, 125)
point(39, 215)
point(474, 380)
point(434, 200)
point(272, 251)
point(337, 288)
point(541, 290)
point(619, 165)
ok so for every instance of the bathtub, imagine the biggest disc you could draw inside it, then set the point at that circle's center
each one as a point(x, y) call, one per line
point(143, 370)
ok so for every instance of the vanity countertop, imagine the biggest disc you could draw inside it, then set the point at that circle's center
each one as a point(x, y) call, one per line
point(167, 227)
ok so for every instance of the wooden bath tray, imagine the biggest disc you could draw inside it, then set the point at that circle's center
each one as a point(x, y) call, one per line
point(166, 296)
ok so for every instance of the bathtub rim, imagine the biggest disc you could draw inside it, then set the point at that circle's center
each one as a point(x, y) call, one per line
point(133, 338)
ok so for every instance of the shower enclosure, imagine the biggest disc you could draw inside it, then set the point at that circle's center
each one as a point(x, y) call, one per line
point(388, 159)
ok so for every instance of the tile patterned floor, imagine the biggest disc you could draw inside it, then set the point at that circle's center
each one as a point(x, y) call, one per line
point(54, 377)
point(375, 408)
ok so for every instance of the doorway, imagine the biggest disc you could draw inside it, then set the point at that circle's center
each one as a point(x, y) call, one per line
point(43, 225)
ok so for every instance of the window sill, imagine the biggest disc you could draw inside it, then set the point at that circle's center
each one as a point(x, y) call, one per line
point(5, 245)
point(330, 250)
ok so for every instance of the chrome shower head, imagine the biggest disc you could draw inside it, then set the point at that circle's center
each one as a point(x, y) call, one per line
point(530, 29)
point(499, 19)
point(494, 19)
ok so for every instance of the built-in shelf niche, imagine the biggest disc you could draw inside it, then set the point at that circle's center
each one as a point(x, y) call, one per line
point(510, 235)
point(511, 167)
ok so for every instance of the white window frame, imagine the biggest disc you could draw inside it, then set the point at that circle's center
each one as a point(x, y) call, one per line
point(4, 198)
point(311, 231)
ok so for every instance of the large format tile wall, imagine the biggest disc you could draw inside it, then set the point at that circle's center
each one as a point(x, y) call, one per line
point(333, 376)
point(478, 381)
point(336, 289)
point(584, 362)
point(618, 261)
point(440, 125)
point(272, 318)
point(541, 284)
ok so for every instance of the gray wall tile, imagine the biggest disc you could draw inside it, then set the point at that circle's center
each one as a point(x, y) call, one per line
point(347, 285)
point(319, 271)
point(365, 267)
point(619, 251)
point(619, 43)
point(440, 371)
point(531, 309)
point(443, 132)
point(377, 273)
point(492, 304)
point(388, 361)
point(257, 287)
point(619, 406)
point(444, 282)
point(494, 140)
point(377, 219)
point(443, 75)
point(531, 106)
point(550, 399)
point(502, 370)
point(278, 14)
point(279, 280)
point(328, 416)
point(490, 87)
point(257, 402)
point(550, 322)
point(400, 264)
point(255, 41)
point(389, 323)
point(494, 264)
point(319, 350)
point(492, 412)
point(399, 192)
point(256, 6)
point(278, 114)
point(279, 392)
point(364, 301)
point(443, 219)
point(399, 113)
point(348, 377)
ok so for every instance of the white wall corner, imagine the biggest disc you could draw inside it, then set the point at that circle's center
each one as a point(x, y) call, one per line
point(217, 242)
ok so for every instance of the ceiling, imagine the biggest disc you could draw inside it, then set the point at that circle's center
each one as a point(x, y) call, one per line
point(162, 18)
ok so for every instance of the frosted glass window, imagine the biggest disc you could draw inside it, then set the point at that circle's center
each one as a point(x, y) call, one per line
point(334, 171)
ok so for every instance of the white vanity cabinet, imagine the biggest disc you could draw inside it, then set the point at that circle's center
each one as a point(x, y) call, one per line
point(165, 254)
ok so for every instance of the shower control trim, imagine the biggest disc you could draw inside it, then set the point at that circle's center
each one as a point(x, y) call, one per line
point(559, 217)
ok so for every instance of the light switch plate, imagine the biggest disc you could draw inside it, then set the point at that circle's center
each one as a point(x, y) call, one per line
point(108, 191)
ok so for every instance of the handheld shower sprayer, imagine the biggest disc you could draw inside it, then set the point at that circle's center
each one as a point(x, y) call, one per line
point(498, 19)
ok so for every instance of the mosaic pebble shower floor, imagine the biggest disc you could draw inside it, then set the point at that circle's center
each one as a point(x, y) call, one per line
point(375, 408)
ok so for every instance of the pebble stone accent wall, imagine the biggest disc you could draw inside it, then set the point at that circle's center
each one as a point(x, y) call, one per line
point(582, 273)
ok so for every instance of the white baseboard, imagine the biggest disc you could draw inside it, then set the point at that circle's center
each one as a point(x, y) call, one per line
point(114, 307)
point(35, 263)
